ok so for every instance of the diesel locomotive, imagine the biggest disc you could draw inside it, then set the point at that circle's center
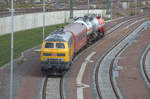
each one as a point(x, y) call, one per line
point(60, 47)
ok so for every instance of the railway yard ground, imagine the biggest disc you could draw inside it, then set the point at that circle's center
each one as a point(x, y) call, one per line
point(114, 67)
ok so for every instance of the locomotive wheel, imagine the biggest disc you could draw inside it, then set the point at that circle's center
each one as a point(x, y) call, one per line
point(67, 67)
point(45, 73)
point(101, 33)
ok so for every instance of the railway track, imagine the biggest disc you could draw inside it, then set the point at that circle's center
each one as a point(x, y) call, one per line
point(144, 65)
point(111, 70)
point(53, 88)
point(105, 71)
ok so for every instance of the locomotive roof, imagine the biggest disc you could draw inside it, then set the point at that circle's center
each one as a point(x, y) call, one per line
point(59, 35)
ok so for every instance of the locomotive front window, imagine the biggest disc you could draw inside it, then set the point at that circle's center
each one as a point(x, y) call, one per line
point(49, 45)
point(60, 45)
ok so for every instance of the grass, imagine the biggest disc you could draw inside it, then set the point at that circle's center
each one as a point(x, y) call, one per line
point(23, 40)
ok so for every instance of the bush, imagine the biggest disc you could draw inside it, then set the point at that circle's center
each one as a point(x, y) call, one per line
point(119, 14)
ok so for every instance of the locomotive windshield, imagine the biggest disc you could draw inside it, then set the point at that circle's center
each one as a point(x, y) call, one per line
point(60, 45)
point(49, 45)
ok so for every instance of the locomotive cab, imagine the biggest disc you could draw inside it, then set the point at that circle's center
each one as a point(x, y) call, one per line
point(54, 51)
point(57, 53)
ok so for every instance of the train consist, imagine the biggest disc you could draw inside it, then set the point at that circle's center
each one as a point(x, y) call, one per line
point(60, 47)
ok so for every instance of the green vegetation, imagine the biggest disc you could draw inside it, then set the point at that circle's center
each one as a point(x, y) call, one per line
point(29, 5)
point(23, 40)
point(23, 5)
point(134, 12)
point(119, 14)
point(106, 19)
point(2, 7)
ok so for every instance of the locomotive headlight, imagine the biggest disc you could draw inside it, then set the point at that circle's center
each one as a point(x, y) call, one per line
point(45, 59)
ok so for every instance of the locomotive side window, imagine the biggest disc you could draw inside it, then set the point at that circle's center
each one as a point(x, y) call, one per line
point(49, 45)
point(60, 45)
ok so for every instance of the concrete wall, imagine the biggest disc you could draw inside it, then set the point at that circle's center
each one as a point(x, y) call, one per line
point(29, 21)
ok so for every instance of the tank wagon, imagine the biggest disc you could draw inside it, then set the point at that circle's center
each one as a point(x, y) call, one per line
point(59, 48)
point(95, 26)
